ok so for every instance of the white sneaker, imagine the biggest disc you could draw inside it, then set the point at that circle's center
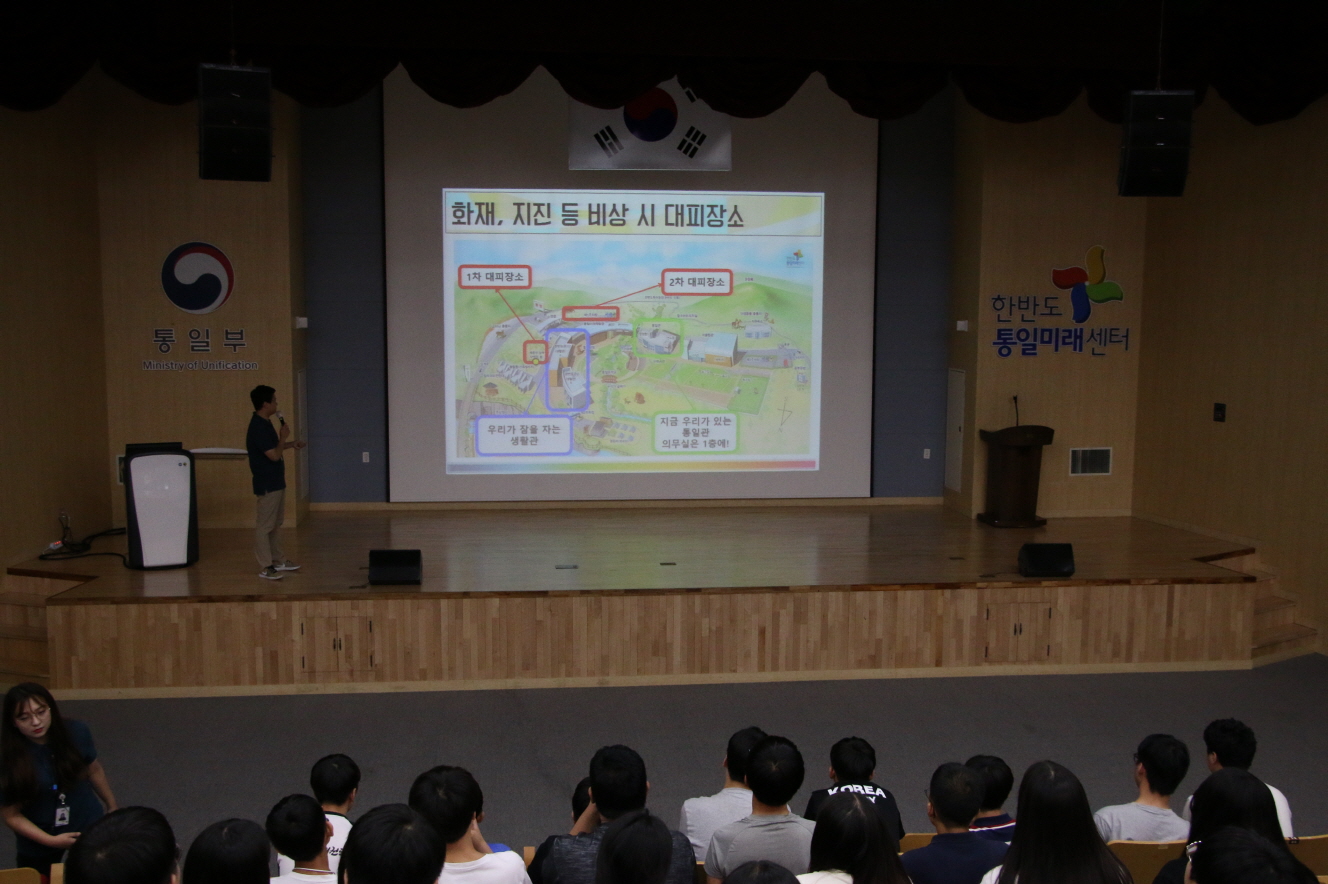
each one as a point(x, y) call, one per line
point(269, 573)
point(288, 565)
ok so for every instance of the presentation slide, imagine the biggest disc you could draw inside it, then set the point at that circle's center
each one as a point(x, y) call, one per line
point(611, 331)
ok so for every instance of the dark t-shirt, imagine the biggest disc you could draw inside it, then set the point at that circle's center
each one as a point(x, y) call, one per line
point(84, 806)
point(953, 858)
point(572, 859)
point(880, 798)
point(994, 828)
point(269, 475)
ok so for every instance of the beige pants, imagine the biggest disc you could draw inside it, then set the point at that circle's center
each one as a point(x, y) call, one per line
point(271, 508)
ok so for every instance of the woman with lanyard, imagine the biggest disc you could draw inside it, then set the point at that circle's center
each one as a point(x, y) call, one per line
point(50, 778)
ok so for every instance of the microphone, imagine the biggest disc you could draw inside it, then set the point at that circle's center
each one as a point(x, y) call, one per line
point(282, 419)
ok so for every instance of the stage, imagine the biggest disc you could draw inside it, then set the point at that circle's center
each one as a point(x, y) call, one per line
point(634, 593)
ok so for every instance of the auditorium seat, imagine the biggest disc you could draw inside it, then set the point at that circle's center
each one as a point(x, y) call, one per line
point(1312, 851)
point(1145, 859)
point(528, 854)
point(701, 876)
point(27, 876)
point(914, 840)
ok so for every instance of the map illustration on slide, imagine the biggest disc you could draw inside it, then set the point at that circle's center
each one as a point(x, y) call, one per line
point(626, 331)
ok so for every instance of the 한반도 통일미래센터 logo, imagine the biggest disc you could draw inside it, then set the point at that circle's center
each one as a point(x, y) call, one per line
point(197, 277)
point(1087, 285)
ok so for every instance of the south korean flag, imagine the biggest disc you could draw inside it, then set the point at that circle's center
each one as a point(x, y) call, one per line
point(667, 127)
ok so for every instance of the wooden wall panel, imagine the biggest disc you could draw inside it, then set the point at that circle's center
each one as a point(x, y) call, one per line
point(52, 372)
point(1239, 320)
point(633, 635)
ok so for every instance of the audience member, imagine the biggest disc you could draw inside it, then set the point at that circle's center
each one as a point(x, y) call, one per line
point(760, 872)
point(132, 845)
point(700, 817)
point(392, 844)
point(1239, 856)
point(228, 852)
point(637, 848)
point(335, 780)
point(299, 829)
point(618, 785)
point(451, 800)
point(774, 774)
point(580, 801)
point(41, 750)
point(1230, 797)
point(997, 780)
point(955, 855)
point(1160, 764)
point(1056, 841)
point(1231, 743)
point(853, 769)
point(853, 844)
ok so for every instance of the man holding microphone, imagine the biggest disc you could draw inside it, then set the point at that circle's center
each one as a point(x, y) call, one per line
point(265, 445)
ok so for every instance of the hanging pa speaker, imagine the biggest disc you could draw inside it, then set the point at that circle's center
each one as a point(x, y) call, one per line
point(1046, 560)
point(234, 123)
point(1155, 144)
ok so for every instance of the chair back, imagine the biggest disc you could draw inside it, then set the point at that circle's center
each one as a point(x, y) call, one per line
point(528, 854)
point(1312, 851)
point(914, 840)
point(24, 876)
point(1145, 859)
point(701, 876)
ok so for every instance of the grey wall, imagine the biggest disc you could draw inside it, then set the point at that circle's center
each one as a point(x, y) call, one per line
point(915, 187)
point(342, 166)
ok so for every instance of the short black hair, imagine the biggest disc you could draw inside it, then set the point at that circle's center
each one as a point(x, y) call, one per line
point(775, 771)
point(1232, 742)
point(229, 852)
point(955, 793)
point(333, 778)
point(740, 746)
point(580, 798)
point(132, 845)
point(1238, 856)
point(617, 781)
point(261, 395)
point(297, 827)
point(760, 871)
point(637, 848)
point(1165, 760)
point(853, 760)
point(997, 779)
point(392, 844)
point(449, 798)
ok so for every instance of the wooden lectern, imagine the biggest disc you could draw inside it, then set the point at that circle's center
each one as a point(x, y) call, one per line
point(1014, 466)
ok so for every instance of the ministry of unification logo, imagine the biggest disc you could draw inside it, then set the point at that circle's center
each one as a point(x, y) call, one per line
point(197, 277)
point(795, 260)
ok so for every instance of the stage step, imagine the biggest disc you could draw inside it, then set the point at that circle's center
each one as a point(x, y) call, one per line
point(15, 671)
point(24, 633)
point(1271, 611)
point(1283, 642)
point(26, 599)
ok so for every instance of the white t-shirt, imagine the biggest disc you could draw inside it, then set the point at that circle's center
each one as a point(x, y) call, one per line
point(302, 878)
point(1279, 801)
point(830, 876)
point(700, 817)
point(340, 829)
point(992, 877)
point(1140, 822)
point(493, 868)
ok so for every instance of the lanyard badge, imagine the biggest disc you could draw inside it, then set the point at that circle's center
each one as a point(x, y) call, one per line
point(62, 812)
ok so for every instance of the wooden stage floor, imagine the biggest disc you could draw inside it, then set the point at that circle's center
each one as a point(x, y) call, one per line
point(614, 550)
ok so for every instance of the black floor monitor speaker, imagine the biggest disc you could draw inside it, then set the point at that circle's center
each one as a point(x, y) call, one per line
point(1155, 144)
point(1046, 560)
point(234, 123)
point(389, 567)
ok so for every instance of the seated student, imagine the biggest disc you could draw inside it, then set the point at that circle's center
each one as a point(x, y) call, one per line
point(700, 817)
point(228, 852)
point(297, 828)
point(580, 801)
point(852, 843)
point(451, 800)
point(774, 774)
point(760, 872)
point(997, 780)
point(335, 780)
point(1159, 765)
point(1238, 856)
point(955, 855)
point(852, 769)
point(618, 785)
point(132, 845)
point(1230, 797)
point(637, 848)
point(392, 844)
point(1231, 743)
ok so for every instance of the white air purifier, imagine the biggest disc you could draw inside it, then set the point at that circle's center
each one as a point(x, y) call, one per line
point(161, 506)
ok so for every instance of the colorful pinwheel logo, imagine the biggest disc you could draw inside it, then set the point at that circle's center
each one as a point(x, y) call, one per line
point(1087, 285)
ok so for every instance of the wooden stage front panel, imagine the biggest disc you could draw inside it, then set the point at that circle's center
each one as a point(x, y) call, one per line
point(1144, 603)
